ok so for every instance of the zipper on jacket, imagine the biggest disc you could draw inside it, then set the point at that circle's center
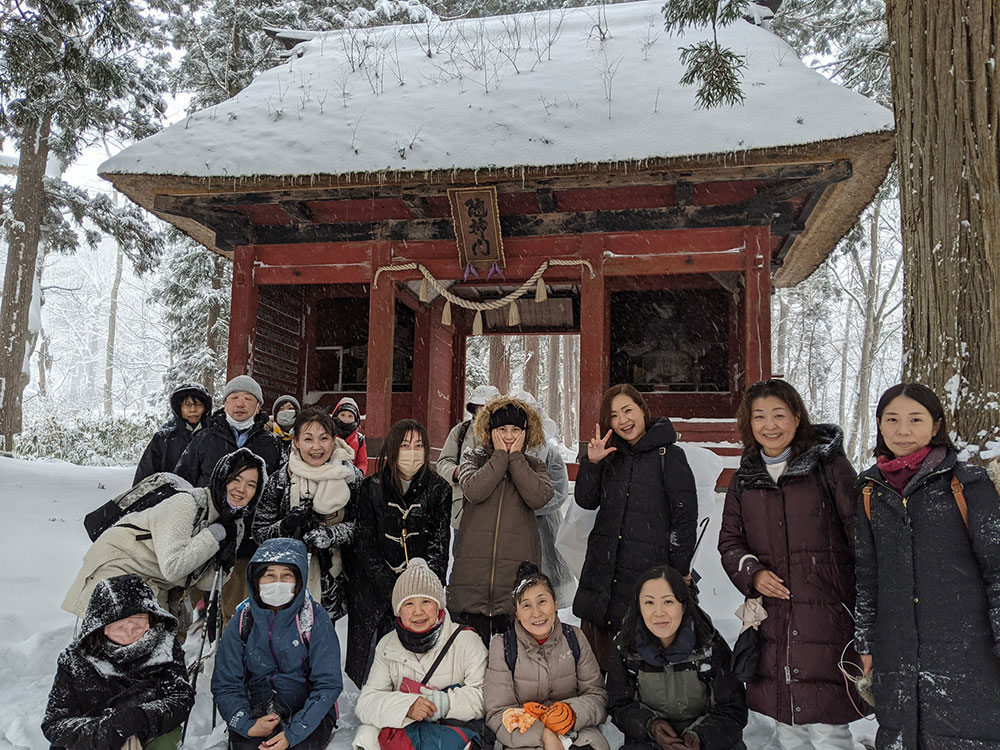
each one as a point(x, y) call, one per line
point(496, 538)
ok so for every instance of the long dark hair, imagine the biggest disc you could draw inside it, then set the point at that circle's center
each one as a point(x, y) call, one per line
point(927, 399)
point(390, 449)
point(622, 389)
point(783, 390)
point(633, 618)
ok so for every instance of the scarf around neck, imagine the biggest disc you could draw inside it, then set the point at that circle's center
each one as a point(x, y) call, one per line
point(899, 471)
point(654, 653)
point(325, 485)
point(420, 643)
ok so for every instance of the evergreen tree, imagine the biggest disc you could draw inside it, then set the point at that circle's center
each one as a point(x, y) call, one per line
point(71, 71)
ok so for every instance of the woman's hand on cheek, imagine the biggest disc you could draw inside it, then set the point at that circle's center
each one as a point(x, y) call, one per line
point(498, 443)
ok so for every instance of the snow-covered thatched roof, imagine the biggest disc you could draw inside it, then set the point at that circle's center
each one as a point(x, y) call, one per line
point(530, 89)
point(548, 92)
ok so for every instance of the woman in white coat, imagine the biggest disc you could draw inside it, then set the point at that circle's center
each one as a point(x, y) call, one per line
point(402, 691)
point(180, 541)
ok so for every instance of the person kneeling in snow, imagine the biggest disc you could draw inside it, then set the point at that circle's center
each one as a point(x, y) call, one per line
point(179, 542)
point(121, 683)
point(277, 673)
point(425, 688)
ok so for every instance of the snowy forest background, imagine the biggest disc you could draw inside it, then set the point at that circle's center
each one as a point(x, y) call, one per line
point(125, 309)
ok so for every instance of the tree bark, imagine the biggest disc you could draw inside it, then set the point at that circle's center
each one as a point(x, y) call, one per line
point(552, 373)
point(499, 364)
point(947, 105)
point(27, 207)
point(531, 365)
point(109, 351)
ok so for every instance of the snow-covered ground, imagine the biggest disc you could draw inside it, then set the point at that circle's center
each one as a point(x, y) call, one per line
point(42, 541)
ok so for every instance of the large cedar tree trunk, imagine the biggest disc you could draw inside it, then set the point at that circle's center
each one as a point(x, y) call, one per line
point(27, 206)
point(499, 364)
point(947, 105)
point(109, 350)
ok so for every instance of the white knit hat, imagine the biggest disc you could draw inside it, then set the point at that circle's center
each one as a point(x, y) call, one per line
point(482, 394)
point(417, 580)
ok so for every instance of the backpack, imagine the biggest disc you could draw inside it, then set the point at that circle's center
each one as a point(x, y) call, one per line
point(510, 645)
point(957, 490)
point(149, 492)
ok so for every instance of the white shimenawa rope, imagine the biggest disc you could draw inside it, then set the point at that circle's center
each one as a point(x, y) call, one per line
point(491, 304)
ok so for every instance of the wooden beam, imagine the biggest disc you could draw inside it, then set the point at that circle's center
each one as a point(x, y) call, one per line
point(298, 210)
point(757, 306)
point(381, 331)
point(595, 336)
point(416, 205)
point(547, 203)
point(838, 171)
point(243, 314)
point(674, 263)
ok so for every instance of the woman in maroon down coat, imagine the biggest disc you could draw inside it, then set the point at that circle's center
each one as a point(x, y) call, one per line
point(788, 534)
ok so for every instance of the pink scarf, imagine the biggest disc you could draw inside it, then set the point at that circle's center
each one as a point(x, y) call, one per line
point(899, 471)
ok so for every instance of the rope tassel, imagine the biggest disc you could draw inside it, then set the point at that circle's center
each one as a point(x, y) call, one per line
point(540, 294)
point(477, 324)
point(425, 292)
point(513, 315)
point(446, 314)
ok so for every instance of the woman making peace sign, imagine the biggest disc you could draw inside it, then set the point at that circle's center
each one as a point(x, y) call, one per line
point(640, 483)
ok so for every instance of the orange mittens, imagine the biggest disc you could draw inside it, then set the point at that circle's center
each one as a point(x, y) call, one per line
point(517, 718)
point(535, 709)
point(559, 717)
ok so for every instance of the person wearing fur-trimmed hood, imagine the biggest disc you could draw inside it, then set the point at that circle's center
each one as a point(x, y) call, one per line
point(179, 542)
point(503, 487)
point(122, 677)
point(312, 498)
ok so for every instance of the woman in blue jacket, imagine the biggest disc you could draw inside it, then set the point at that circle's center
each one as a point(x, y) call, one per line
point(277, 674)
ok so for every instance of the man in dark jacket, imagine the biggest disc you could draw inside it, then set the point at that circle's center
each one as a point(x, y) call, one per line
point(238, 424)
point(191, 404)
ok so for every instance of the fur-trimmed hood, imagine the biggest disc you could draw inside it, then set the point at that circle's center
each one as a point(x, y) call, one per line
point(481, 423)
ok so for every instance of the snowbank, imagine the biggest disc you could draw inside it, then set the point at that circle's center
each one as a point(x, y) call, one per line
point(580, 86)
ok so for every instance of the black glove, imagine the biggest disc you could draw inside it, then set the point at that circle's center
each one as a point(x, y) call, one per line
point(297, 521)
point(125, 723)
point(225, 558)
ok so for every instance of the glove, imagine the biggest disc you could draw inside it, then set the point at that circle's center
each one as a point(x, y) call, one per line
point(534, 709)
point(225, 558)
point(124, 724)
point(317, 539)
point(691, 741)
point(296, 522)
point(325, 537)
point(559, 718)
point(516, 718)
point(662, 733)
point(440, 699)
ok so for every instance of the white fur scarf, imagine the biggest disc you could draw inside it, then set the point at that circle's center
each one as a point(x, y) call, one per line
point(326, 485)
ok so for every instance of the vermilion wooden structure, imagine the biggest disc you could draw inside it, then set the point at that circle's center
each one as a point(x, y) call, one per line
point(719, 228)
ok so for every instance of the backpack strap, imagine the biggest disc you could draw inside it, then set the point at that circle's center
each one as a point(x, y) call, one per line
point(574, 642)
point(959, 492)
point(304, 619)
point(866, 493)
point(461, 436)
point(510, 649)
point(245, 619)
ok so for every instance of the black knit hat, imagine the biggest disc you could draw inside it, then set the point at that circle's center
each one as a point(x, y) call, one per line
point(509, 414)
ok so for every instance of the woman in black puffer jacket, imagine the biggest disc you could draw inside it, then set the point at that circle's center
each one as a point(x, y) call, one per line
point(928, 610)
point(122, 677)
point(639, 481)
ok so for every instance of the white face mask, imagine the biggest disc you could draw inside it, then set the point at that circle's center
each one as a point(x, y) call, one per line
point(277, 594)
point(409, 462)
point(245, 424)
point(285, 418)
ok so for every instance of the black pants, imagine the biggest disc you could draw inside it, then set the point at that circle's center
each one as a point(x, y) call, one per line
point(486, 626)
point(318, 740)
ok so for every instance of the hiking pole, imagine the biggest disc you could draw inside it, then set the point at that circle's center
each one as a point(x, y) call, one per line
point(703, 525)
point(213, 607)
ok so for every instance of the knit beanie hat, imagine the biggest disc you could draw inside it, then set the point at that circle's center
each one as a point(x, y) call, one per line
point(286, 399)
point(348, 404)
point(417, 580)
point(509, 414)
point(243, 383)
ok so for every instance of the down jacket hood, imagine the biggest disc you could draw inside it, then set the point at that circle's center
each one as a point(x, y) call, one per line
point(481, 422)
point(243, 458)
point(279, 551)
point(120, 597)
point(191, 389)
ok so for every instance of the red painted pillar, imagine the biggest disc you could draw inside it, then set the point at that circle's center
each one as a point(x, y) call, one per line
point(381, 329)
point(458, 348)
point(242, 313)
point(595, 334)
point(757, 309)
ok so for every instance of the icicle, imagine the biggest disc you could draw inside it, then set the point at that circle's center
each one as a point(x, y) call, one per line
point(540, 293)
point(446, 314)
point(513, 316)
point(424, 290)
point(477, 324)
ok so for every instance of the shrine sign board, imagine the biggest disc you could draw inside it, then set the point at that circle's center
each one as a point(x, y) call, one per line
point(476, 219)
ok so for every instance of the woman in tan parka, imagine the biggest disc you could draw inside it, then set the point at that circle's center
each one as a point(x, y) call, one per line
point(502, 488)
point(543, 686)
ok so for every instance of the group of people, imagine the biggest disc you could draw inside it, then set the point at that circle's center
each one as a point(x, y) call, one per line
point(451, 582)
